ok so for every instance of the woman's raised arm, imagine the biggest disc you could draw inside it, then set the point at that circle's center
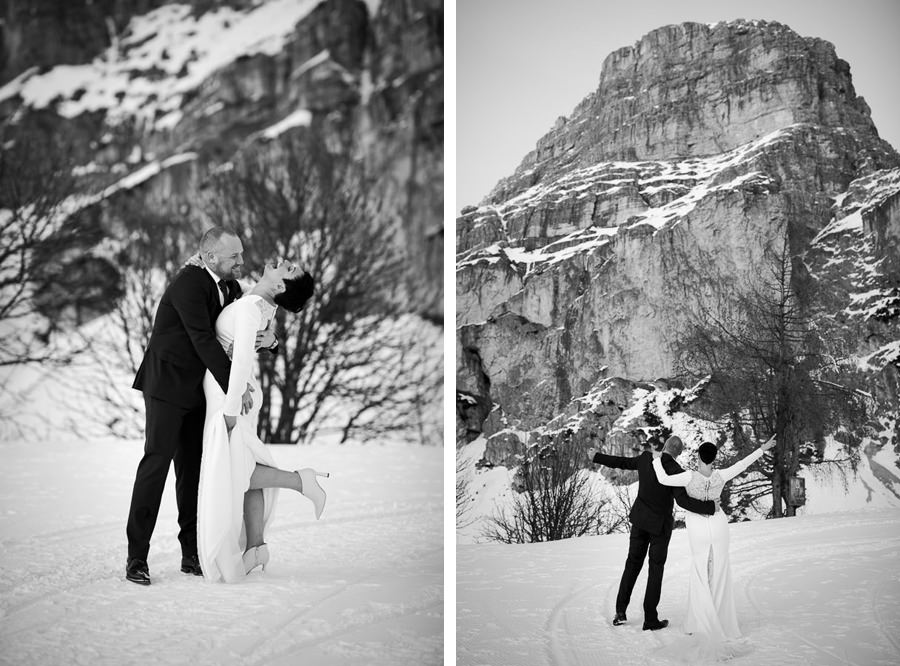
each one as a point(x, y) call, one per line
point(741, 465)
point(681, 479)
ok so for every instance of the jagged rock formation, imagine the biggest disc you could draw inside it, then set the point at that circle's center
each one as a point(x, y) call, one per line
point(156, 96)
point(657, 198)
point(693, 90)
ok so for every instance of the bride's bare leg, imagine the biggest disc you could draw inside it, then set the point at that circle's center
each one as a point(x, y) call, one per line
point(254, 508)
point(270, 477)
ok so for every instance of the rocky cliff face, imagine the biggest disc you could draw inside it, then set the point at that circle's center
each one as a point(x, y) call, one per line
point(693, 90)
point(155, 96)
point(702, 147)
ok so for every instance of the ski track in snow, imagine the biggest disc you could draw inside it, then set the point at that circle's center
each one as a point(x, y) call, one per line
point(364, 585)
point(821, 589)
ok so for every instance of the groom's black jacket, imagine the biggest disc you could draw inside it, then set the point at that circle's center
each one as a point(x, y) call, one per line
point(652, 509)
point(183, 341)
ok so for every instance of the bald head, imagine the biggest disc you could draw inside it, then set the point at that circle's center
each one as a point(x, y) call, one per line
point(674, 446)
point(212, 238)
point(222, 252)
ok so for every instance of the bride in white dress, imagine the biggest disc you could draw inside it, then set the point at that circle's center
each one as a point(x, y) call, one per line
point(238, 478)
point(711, 615)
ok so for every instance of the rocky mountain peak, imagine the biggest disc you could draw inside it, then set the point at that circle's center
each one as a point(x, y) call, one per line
point(695, 89)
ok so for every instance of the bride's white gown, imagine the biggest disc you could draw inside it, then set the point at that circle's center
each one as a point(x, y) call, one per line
point(227, 463)
point(710, 613)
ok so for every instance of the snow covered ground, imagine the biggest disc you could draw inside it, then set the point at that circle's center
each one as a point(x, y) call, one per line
point(364, 585)
point(818, 589)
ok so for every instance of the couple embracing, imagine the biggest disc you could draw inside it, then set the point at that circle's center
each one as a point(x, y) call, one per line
point(710, 618)
point(197, 377)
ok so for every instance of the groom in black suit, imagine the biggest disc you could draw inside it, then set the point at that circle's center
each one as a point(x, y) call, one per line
point(651, 525)
point(182, 347)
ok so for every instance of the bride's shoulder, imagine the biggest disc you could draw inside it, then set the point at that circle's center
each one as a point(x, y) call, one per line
point(254, 304)
point(242, 306)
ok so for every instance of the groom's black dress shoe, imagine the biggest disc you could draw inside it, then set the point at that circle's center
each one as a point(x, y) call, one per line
point(619, 619)
point(658, 624)
point(191, 565)
point(137, 571)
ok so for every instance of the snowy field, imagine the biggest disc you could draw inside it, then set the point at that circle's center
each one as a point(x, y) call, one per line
point(364, 585)
point(819, 589)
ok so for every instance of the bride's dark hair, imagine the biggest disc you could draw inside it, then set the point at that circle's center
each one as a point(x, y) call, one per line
point(296, 292)
point(707, 452)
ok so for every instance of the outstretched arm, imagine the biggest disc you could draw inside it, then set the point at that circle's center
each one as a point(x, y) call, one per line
point(619, 462)
point(741, 465)
point(680, 479)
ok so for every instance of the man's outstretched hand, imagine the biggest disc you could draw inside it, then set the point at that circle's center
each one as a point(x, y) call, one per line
point(591, 452)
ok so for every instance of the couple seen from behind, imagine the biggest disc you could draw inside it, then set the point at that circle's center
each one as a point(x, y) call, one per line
point(710, 619)
point(202, 410)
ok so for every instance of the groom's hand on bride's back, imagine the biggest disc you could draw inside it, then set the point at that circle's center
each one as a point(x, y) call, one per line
point(265, 339)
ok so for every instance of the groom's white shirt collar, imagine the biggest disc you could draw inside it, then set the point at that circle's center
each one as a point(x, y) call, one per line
point(216, 279)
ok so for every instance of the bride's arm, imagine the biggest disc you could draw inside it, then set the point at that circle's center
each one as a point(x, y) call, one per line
point(741, 465)
point(246, 323)
point(681, 479)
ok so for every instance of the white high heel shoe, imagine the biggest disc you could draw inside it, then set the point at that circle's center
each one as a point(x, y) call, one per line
point(255, 557)
point(311, 488)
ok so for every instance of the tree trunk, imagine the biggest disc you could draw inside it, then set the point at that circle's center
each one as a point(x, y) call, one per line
point(776, 492)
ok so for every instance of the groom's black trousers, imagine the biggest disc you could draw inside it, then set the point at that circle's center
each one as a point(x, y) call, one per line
point(641, 542)
point(173, 433)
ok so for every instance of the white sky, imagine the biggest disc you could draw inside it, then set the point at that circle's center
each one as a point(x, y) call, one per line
point(523, 63)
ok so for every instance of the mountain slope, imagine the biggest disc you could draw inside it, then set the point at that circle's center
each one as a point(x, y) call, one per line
point(704, 150)
point(150, 99)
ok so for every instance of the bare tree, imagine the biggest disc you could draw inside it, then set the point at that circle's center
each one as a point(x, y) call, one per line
point(353, 359)
point(557, 502)
point(769, 373)
point(36, 193)
point(617, 510)
point(156, 249)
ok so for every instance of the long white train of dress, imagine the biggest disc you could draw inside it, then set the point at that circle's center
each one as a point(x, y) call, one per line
point(228, 462)
point(711, 614)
